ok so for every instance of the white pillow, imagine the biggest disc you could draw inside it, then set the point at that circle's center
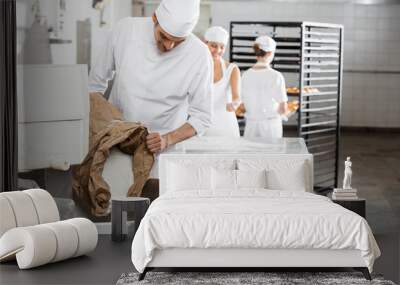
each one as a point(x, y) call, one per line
point(291, 178)
point(224, 179)
point(282, 173)
point(188, 177)
point(251, 178)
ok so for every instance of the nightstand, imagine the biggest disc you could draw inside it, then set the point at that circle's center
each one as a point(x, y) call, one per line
point(119, 211)
point(357, 205)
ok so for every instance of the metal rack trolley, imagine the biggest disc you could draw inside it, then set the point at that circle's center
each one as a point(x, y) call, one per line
point(312, 53)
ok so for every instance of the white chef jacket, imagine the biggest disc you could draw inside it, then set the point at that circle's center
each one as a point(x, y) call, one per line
point(161, 90)
point(262, 89)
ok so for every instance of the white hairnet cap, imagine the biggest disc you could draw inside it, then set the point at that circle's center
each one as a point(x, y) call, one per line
point(178, 17)
point(216, 34)
point(266, 43)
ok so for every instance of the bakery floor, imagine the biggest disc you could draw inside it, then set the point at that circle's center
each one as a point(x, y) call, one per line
point(376, 175)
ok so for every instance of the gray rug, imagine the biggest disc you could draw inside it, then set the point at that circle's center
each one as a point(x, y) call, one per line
point(243, 278)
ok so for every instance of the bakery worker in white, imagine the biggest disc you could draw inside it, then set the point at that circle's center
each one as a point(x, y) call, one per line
point(264, 93)
point(226, 88)
point(162, 73)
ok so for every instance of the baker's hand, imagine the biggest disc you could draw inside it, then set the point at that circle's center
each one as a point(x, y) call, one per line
point(230, 107)
point(156, 142)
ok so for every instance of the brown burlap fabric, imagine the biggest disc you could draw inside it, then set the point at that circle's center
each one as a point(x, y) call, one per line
point(107, 130)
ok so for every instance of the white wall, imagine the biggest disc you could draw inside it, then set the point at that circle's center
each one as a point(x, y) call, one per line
point(372, 43)
point(75, 10)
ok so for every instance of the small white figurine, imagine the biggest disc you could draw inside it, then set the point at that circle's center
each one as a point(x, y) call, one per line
point(347, 174)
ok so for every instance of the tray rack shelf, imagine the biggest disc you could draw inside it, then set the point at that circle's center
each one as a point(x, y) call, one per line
point(312, 54)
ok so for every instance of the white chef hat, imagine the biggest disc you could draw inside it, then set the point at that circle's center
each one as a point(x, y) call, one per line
point(216, 34)
point(178, 17)
point(266, 43)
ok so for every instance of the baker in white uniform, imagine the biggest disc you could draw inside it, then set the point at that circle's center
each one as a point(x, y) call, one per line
point(264, 93)
point(163, 74)
point(226, 89)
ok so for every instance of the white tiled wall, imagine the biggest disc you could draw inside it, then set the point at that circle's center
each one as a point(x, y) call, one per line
point(372, 43)
point(371, 100)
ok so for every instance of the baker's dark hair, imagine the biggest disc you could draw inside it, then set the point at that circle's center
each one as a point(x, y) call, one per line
point(258, 51)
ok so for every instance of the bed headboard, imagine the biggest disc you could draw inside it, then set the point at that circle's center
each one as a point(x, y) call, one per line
point(180, 171)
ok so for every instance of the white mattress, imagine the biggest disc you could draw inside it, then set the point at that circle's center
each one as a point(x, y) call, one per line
point(251, 218)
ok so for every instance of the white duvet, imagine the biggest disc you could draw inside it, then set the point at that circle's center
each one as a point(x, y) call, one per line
point(252, 218)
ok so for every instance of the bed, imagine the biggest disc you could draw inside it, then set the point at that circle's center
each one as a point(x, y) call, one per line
point(247, 207)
